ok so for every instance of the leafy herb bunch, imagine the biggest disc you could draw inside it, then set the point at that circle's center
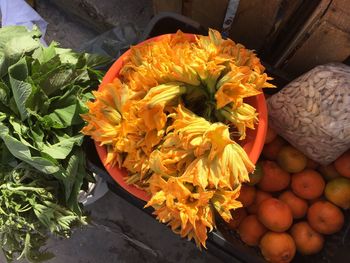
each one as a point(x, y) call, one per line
point(43, 91)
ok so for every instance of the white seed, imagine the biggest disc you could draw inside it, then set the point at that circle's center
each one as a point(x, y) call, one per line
point(309, 105)
point(316, 79)
point(313, 130)
point(346, 99)
point(293, 109)
point(311, 92)
point(321, 84)
point(306, 120)
point(315, 110)
point(296, 123)
point(324, 74)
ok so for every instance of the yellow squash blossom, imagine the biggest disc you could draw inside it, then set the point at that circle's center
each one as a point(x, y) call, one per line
point(225, 201)
point(218, 168)
point(188, 214)
point(167, 119)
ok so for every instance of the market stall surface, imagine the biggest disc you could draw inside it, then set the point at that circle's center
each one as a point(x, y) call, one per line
point(123, 233)
point(119, 232)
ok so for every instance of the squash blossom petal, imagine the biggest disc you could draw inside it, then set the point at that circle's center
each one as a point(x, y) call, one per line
point(184, 211)
point(224, 201)
point(241, 117)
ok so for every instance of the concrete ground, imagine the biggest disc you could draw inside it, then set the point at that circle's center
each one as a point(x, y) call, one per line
point(120, 232)
point(123, 233)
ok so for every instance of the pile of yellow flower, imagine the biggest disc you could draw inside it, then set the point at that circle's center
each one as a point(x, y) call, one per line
point(171, 118)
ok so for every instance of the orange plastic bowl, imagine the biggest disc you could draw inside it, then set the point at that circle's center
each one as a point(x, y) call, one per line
point(253, 143)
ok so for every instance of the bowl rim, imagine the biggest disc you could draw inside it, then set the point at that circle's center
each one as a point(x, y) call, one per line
point(252, 147)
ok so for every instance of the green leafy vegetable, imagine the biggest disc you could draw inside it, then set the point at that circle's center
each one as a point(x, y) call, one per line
point(29, 207)
point(43, 91)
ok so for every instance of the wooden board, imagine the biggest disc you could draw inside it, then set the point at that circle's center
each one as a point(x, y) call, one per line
point(167, 6)
point(253, 22)
point(208, 13)
point(324, 38)
point(326, 43)
point(338, 14)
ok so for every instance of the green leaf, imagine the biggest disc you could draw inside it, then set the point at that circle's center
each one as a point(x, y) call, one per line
point(22, 152)
point(15, 41)
point(95, 60)
point(37, 102)
point(6, 157)
point(21, 131)
point(37, 134)
point(3, 65)
point(45, 54)
point(67, 56)
point(82, 102)
point(17, 47)
point(21, 90)
point(4, 93)
point(67, 116)
point(44, 214)
point(15, 50)
point(82, 76)
point(72, 170)
point(67, 97)
point(9, 32)
point(30, 254)
point(57, 79)
point(62, 149)
point(79, 175)
point(41, 70)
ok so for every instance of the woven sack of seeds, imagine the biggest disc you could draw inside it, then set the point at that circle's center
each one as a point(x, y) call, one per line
point(313, 112)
